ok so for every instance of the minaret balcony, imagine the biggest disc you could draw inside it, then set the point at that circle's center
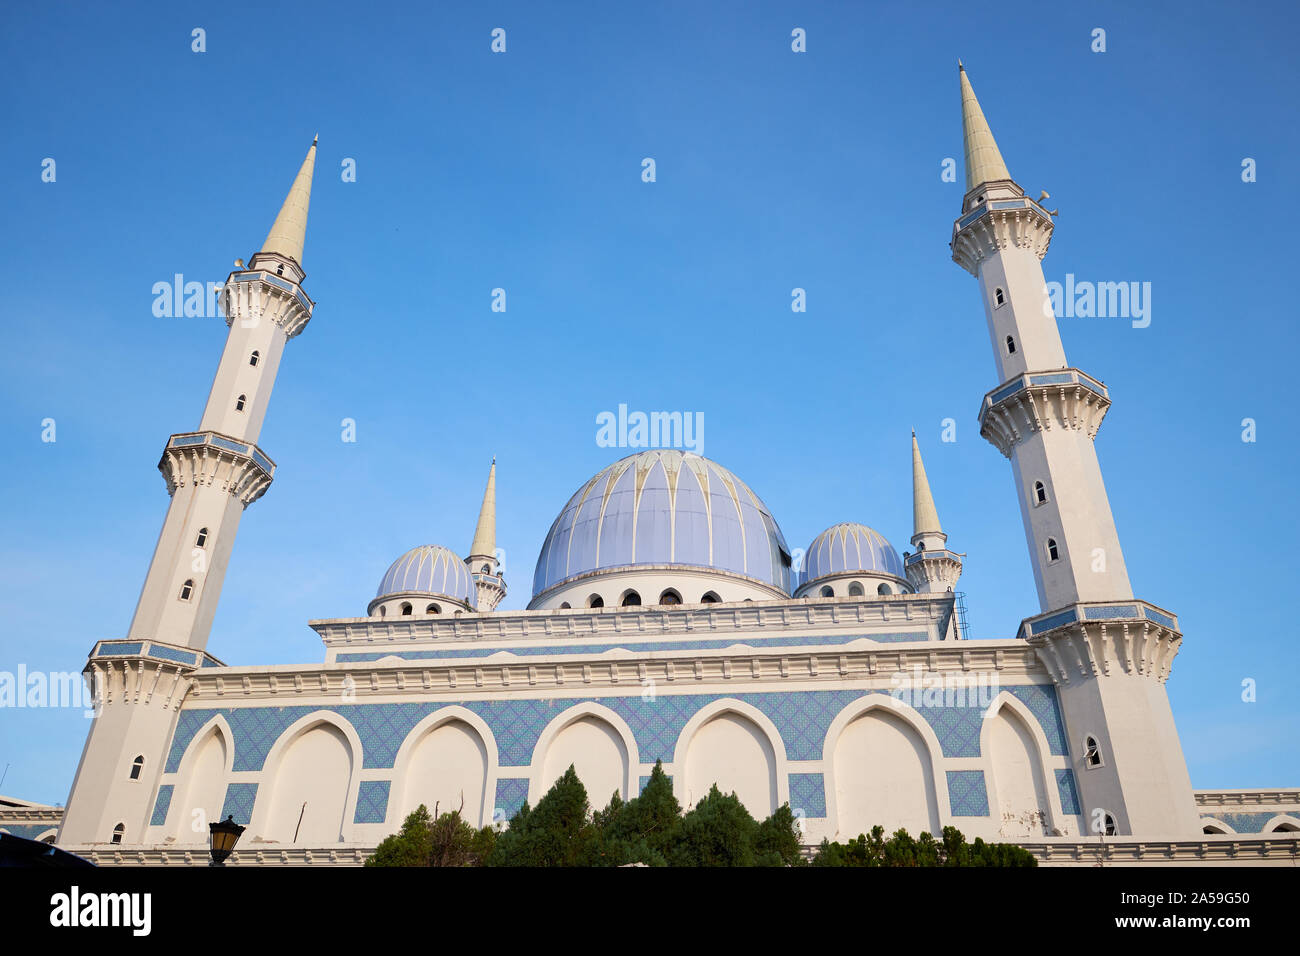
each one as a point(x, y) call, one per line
point(255, 293)
point(1034, 401)
point(997, 224)
point(210, 458)
point(1099, 638)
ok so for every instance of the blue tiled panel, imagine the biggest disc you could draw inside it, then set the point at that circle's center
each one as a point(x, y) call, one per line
point(168, 654)
point(239, 802)
point(1111, 612)
point(1069, 796)
point(967, 795)
point(1055, 620)
point(511, 794)
point(28, 831)
point(162, 805)
point(1159, 618)
point(801, 718)
point(1244, 822)
point(372, 801)
point(454, 653)
point(808, 793)
point(113, 650)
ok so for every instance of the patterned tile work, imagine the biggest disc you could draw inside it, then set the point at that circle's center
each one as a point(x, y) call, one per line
point(1069, 796)
point(162, 805)
point(372, 801)
point(808, 793)
point(511, 794)
point(1244, 822)
point(28, 831)
point(761, 642)
point(967, 794)
point(801, 718)
point(239, 802)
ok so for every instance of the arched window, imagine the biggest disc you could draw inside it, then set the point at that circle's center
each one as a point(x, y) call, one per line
point(631, 599)
point(433, 609)
point(1011, 345)
point(239, 403)
point(118, 831)
point(1040, 493)
point(406, 607)
point(920, 546)
point(565, 606)
point(855, 589)
point(595, 601)
point(670, 597)
point(999, 298)
point(1091, 752)
point(254, 358)
point(382, 610)
point(202, 538)
point(1052, 553)
point(1110, 825)
point(187, 589)
point(884, 589)
point(486, 569)
point(279, 270)
point(136, 766)
point(827, 591)
point(710, 598)
point(1284, 827)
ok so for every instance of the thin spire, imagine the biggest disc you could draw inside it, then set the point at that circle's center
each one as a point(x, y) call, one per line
point(983, 160)
point(290, 229)
point(925, 519)
point(485, 534)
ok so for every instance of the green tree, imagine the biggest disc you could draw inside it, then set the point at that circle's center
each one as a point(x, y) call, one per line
point(902, 850)
point(410, 846)
point(717, 831)
point(778, 841)
point(558, 832)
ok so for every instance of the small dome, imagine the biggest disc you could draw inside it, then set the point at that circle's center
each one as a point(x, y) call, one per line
point(847, 548)
point(664, 508)
point(428, 569)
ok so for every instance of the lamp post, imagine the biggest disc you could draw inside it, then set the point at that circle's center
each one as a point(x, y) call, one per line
point(224, 836)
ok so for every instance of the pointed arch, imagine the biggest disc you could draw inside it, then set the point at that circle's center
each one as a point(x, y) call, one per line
point(273, 783)
point(191, 791)
point(1040, 760)
point(1209, 825)
point(778, 771)
point(935, 781)
point(1283, 822)
point(540, 779)
point(402, 763)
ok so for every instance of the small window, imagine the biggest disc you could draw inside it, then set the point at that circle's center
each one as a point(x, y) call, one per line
point(406, 607)
point(118, 831)
point(999, 299)
point(239, 403)
point(1110, 825)
point(202, 538)
point(566, 606)
point(827, 591)
point(486, 569)
point(670, 597)
point(595, 601)
point(433, 609)
point(279, 270)
point(382, 610)
point(631, 599)
point(855, 589)
point(1011, 345)
point(710, 598)
point(1052, 553)
point(255, 358)
point(1040, 493)
point(884, 589)
point(187, 590)
point(1091, 753)
point(136, 766)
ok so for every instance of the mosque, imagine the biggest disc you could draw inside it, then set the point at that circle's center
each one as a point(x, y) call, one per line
point(668, 621)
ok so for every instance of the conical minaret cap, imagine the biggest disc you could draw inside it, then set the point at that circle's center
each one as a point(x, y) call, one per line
point(983, 160)
point(485, 534)
point(925, 519)
point(290, 228)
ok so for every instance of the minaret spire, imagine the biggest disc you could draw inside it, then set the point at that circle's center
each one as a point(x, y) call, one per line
point(289, 230)
point(484, 568)
point(925, 519)
point(983, 158)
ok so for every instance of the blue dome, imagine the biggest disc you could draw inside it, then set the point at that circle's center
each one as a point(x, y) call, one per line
point(848, 547)
point(664, 507)
point(428, 569)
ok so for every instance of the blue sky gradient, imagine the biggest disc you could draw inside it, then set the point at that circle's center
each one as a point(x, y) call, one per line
point(522, 171)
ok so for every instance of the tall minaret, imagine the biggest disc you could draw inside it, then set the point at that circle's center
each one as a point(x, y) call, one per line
point(484, 568)
point(1044, 415)
point(1108, 654)
point(212, 475)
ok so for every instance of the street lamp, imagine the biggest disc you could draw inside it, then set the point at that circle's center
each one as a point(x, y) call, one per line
point(224, 836)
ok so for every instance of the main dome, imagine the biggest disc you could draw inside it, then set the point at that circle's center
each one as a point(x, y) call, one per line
point(664, 507)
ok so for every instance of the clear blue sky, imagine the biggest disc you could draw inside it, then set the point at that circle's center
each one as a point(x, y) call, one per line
point(522, 171)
